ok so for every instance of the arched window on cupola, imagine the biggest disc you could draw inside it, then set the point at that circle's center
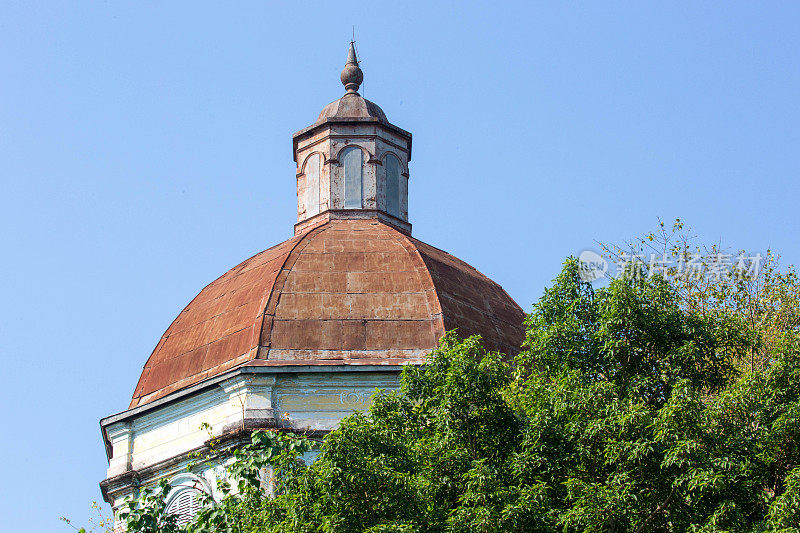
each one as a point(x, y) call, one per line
point(353, 162)
point(312, 185)
point(392, 165)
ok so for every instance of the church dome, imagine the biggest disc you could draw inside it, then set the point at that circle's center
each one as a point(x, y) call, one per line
point(346, 292)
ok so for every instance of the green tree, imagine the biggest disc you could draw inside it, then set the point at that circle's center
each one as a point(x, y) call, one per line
point(626, 411)
point(760, 292)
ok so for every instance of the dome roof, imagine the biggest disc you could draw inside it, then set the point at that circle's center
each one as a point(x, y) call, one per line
point(350, 106)
point(346, 292)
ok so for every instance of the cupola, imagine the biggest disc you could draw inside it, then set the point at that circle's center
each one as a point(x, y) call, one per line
point(352, 163)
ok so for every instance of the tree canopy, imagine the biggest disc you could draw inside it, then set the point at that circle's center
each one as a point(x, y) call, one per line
point(626, 410)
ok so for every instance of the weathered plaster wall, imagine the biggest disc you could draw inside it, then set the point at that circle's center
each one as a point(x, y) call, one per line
point(147, 445)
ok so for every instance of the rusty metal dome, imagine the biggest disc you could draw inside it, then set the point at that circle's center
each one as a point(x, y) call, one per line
point(346, 292)
point(352, 106)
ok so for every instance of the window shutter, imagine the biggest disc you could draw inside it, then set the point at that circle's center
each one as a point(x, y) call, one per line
point(185, 506)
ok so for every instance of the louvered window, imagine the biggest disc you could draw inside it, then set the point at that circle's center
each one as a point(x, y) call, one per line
point(185, 505)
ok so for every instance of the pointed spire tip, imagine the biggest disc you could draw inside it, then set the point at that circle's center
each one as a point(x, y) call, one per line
point(352, 58)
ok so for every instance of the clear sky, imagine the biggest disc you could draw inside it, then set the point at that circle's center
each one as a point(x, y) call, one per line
point(145, 148)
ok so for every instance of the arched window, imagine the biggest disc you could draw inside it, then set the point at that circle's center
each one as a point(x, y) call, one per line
point(393, 185)
point(312, 185)
point(353, 161)
point(184, 503)
point(184, 498)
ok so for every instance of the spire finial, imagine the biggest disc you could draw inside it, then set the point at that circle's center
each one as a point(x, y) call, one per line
point(351, 74)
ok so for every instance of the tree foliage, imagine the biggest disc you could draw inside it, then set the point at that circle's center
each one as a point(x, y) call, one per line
point(767, 298)
point(626, 411)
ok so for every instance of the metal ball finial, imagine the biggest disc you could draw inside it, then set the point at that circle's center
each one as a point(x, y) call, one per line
point(351, 74)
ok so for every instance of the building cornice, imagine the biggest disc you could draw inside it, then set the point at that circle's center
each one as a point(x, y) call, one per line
point(349, 121)
point(210, 383)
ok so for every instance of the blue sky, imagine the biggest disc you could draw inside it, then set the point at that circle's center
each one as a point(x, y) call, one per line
point(145, 148)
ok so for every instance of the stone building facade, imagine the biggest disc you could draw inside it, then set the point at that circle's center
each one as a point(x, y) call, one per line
point(303, 333)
